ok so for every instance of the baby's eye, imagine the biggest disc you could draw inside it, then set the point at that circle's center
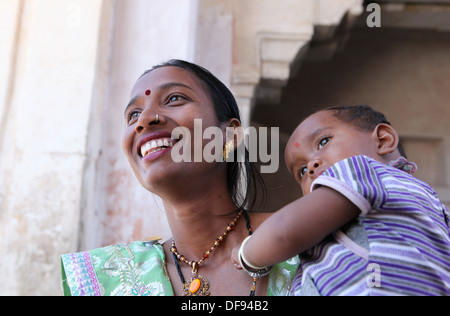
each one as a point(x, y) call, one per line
point(302, 172)
point(323, 142)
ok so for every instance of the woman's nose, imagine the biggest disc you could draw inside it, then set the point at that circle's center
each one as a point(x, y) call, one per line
point(146, 119)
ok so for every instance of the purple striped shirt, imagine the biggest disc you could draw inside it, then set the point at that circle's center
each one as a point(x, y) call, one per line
point(402, 227)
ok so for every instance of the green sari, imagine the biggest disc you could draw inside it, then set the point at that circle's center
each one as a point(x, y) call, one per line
point(139, 269)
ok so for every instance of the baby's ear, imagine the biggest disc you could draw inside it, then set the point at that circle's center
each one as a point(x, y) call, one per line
point(387, 139)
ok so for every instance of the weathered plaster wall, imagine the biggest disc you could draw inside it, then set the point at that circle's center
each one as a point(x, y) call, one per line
point(52, 71)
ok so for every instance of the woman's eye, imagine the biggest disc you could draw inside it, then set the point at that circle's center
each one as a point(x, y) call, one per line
point(175, 98)
point(133, 116)
point(323, 142)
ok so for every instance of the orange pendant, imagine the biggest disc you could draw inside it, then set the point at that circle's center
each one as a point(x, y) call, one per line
point(197, 286)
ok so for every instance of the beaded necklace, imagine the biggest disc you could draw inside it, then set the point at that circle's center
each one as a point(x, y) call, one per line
point(198, 285)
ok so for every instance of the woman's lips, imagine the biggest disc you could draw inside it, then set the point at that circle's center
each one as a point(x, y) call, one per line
point(155, 154)
point(153, 145)
point(156, 145)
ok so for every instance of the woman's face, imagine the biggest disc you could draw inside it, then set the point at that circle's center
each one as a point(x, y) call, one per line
point(178, 97)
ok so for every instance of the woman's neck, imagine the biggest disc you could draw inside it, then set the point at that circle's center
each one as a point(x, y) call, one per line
point(196, 224)
point(198, 211)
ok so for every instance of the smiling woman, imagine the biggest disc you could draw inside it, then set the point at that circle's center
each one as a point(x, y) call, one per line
point(206, 202)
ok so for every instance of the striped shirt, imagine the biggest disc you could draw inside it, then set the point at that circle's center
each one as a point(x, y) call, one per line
point(399, 245)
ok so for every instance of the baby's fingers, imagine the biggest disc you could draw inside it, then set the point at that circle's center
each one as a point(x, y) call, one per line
point(235, 258)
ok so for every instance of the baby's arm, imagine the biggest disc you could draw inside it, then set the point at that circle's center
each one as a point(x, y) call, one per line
point(297, 227)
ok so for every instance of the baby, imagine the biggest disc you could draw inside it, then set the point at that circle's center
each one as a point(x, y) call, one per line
point(365, 225)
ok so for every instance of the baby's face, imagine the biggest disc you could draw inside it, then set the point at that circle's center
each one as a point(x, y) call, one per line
point(321, 141)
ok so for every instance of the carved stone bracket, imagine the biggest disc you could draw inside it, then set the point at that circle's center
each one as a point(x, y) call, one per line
point(274, 54)
point(277, 54)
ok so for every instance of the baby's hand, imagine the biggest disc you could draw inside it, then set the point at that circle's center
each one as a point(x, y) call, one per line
point(235, 258)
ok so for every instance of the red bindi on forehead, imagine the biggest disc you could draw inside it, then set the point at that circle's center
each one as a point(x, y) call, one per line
point(147, 92)
point(297, 145)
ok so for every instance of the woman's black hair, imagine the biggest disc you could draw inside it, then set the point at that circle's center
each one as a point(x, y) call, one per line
point(363, 117)
point(226, 109)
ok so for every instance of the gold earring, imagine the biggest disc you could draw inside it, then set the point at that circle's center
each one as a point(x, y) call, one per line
point(227, 148)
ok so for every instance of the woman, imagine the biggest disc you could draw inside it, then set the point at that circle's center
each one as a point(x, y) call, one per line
point(204, 201)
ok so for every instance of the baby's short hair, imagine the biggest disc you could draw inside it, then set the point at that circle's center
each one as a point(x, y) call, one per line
point(363, 117)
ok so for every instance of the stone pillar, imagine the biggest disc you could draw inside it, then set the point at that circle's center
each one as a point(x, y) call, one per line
point(51, 55)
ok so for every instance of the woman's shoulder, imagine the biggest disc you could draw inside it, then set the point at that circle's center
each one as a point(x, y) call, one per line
point(137, 268)
point(147, 248)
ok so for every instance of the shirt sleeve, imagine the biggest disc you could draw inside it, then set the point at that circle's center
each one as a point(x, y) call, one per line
point(358, 179)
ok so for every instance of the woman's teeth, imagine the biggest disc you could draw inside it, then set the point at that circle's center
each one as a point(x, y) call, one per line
point(156, 145)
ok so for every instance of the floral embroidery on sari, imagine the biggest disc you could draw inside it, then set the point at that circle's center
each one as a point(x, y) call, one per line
point(139, 269)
